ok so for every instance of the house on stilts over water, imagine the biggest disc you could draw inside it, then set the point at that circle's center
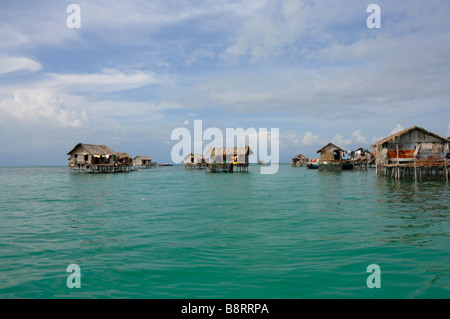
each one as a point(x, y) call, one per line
point(331, 158)
point(194, 160)
point(124, 158)
point(98, 159)
point(361, 158)
point(413, 152)
point(299, 161)
point(142, 162)
point(228, 159)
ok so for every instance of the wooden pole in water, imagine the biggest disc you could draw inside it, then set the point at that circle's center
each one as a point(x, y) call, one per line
point(376, 151)
point(398, 168)
point(445, 163)
point(415, 170)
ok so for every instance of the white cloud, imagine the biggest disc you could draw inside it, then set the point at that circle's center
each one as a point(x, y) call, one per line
point(311, 62)
point(291, 139)
point(131, 21)
point(376, 139)
point(358, 137)
point(158, 14)
point(186, 122)
point(11, 37)
point(327, 92)
point(310, 139)
point(35, 105)
point(106, 81)
point(397, 129)
point(123, 111)
point(448, 131)
point(44, 103)
point(10, 64)
point(338, 140)
point(269, 30)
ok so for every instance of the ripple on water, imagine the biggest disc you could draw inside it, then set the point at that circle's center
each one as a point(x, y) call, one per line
point(171, 233)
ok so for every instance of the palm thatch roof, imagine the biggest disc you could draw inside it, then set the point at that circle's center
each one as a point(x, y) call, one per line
point(144, 158)
point(299, 156)
point(92, 149)
point(398, 134)
point(123, 155)
point(233, 151)
point(330, 144)
point(194, 155)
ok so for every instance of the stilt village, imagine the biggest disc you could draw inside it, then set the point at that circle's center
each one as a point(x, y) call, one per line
point(412, 153)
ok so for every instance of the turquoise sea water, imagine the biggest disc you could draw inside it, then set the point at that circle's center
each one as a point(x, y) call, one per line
point(174, 233)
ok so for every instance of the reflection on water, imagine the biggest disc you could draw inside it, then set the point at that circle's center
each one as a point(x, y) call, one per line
point(416, 212)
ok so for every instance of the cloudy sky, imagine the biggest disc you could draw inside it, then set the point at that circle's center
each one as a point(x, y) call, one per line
point(136, 70)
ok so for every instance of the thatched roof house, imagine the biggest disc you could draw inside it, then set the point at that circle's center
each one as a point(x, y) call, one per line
point(142, 161)
point(194, 158)
point(229, 154)
point(124, 158)
point(299, 160)
point(83, 154)
point(407, 145)
point(330, 153)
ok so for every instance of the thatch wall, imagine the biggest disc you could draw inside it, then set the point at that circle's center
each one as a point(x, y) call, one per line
point(142, 161)
point(327, 153)
point(230, 154)
point(83, 154)
point(194, 158)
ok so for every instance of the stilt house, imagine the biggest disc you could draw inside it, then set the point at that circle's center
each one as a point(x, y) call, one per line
point(412, 151)
point(299, 160)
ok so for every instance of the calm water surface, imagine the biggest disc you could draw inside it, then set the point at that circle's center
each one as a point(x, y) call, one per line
point(174, 233)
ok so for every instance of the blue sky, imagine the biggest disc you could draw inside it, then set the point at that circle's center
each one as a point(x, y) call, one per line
point(136, 70)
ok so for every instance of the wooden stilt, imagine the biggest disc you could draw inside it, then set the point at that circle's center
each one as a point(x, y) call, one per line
point(415, 170)
point(445, 162)
point(398, 168)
